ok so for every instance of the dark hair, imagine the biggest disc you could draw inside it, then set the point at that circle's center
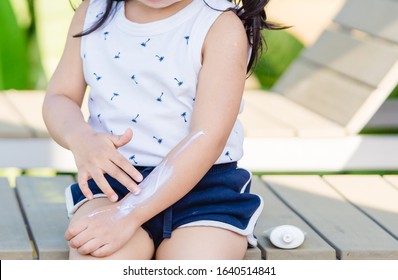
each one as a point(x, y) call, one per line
point(251, 13)
point(254, 18)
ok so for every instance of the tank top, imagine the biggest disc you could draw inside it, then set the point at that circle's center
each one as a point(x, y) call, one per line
point(145, 76)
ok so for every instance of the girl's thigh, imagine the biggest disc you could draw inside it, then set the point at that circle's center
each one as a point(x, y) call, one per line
point(139, 247)
point(206, 243)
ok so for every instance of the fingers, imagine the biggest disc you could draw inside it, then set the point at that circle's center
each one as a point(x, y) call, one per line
point(84, 244)
point(82, 179)
point(112, 162)
point(124, 165)
point(121, 140)
point(127, 167)
point(119, 160)
point(95, 248)
point(103, 184)
point(88, 247)
point(74, 230)
point(125, 180)
point(102, 251)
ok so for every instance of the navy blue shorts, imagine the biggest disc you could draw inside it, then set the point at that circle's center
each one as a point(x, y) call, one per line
point(221, 199)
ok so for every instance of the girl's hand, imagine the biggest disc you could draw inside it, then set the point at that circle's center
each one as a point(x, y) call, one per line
point(97, 154)
point(100, 233)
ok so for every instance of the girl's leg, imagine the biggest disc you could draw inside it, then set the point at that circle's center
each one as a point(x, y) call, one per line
point(139, 247)
point(203, 243)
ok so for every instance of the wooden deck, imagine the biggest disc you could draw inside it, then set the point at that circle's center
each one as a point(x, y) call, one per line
point(343, 216)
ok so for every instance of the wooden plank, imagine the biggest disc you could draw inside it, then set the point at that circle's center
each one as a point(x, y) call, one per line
point(378, 18)
point(305, 122)
point(252, 254)
point(360, 58)
point(43, 202)
point(29, 105)
point(386, 118)
point(392, 179)
point(351, 233)
point(276, 213)
point(327, 93)
point(12, 124)
point(14, 239)
point(373, 195)
point(257, 123)
point(370, 152)
point(35, 153)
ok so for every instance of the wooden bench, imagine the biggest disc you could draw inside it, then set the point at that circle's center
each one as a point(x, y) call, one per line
point(14, 238)
point(33, 219)
point(40, 228)
point(357, 215)
point(343, 216)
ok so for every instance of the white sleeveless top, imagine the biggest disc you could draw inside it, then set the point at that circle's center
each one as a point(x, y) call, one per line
point(144, 77)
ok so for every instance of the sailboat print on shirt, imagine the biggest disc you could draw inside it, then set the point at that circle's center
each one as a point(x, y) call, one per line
point(180, 83)
point(161, 58)
point(134, 120)
point(184, 116)
point(132, 158)
point(134, 79)
point(159, 140)
point(99, 15)
point(115, 94)
point(228, 154)
point(97, 77)
point(145, 43)
point(159, 99)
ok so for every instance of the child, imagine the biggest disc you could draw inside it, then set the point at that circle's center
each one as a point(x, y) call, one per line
point(166, 79)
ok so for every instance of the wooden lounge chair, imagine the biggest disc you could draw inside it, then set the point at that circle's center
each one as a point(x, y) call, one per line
point(312, 119)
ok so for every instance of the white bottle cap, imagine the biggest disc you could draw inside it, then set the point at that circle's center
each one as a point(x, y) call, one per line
point(286, 237)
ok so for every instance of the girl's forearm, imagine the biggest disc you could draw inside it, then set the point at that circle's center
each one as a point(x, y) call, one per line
point(174, 177)
point(64, 120)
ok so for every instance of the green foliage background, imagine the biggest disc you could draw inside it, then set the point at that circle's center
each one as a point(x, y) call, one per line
point(13, 50)
point(282, 48)
point(20, 64)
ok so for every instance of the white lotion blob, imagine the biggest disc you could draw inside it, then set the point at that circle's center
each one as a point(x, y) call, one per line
point(286, 236)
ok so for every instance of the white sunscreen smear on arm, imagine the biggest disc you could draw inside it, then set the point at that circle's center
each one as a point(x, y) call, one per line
point(154, 182)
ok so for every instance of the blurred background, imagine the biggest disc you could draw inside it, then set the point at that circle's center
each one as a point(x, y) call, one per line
point(33, 32)
point(32, 35)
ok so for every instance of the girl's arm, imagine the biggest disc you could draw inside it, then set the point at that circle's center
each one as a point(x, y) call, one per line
point(66, 124)
point(219, 93)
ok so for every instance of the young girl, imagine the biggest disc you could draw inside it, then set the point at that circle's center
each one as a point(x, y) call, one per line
point(166, 79)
